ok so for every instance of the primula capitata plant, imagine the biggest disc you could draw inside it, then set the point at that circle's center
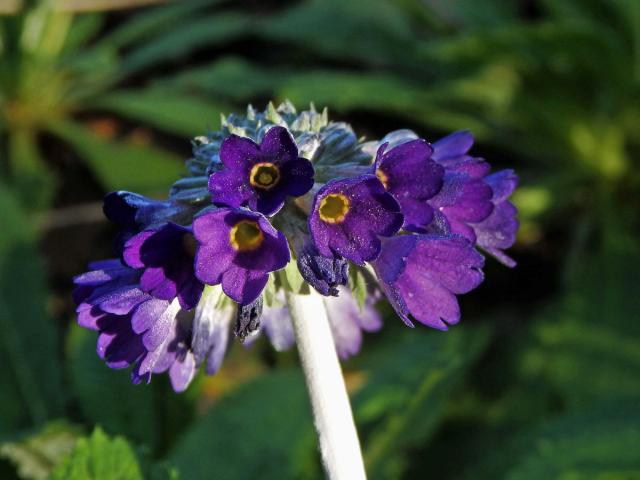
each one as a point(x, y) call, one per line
point(279, 205)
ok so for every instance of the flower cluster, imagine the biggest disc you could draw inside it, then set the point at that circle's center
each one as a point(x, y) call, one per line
point(280, 201)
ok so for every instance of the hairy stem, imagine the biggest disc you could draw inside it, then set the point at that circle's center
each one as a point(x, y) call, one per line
point(339, 444)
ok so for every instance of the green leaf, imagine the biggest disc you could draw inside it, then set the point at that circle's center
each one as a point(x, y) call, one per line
point(154, 21)
point(229, 77)
point(167, 110)
point(346, 30)
point(596, 443)
point(263, 430)
point(291, 279)
point(358, 285)
point(38, 454)
point(34, 183)
point(121, 166)
point(588, 333)
point(175, 43)
point(30, 385)
point(409, 380)
point(100, 457)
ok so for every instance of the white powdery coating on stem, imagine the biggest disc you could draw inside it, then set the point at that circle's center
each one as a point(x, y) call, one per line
point(333, 419)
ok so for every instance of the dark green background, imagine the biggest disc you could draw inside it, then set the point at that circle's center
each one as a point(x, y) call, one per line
point(540, 380)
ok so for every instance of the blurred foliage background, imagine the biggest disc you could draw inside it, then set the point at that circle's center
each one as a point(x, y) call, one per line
point(541, 380)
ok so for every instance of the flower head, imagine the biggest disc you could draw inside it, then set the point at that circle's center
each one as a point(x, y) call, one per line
point(261, 176)
point(194, 268)
point(412, 177)
point(348, 216)
point(238, 249)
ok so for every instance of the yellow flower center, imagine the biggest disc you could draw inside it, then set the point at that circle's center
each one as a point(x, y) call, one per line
point(334, 208)
point(383, 177)
point(264, 175)
point(246, 236)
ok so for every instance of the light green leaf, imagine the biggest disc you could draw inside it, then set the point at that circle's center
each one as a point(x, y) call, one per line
point(38, 454)
point(358, 285)
point(100, 458)
point(121, 166)
point(291, 279)
point(30, 386)
point(264, 430)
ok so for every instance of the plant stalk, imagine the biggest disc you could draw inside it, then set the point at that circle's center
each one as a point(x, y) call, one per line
point(339, 444)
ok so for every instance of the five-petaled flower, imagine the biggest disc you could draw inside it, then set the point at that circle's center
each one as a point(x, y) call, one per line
point(261, 176)
point(238, 249)
point(348, 216)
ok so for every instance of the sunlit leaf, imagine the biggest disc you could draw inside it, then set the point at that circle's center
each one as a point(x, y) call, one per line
point(100, 458)
point(36, 455)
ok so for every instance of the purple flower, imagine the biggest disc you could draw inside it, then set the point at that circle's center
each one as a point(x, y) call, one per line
point(150, 334)
point(422, 274)
point(462, 201)
point(166, 255)
point(324, 274)
point(238, 249)
point(133, 213)
point(498, 231)
point(412, 177)
point(348, 215)
point(465, 205)
point(261, 176)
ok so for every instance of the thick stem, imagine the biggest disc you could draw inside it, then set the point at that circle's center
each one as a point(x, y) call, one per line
point(333, 419)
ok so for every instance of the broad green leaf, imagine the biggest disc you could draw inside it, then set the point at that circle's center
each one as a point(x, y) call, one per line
point(121, 165)
point(263, 430)
point(30, 385)
point(409, 379)
point(36, 455)
point(167, 110)
point(100, 457)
